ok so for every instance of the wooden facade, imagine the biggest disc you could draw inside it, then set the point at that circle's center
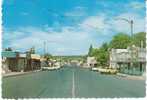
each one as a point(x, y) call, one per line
point(15, 61)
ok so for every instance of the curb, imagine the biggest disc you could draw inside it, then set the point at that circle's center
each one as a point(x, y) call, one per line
point(17, 74)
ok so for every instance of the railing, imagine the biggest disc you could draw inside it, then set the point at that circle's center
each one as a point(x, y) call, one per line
point(127, 59)
point(132, 71)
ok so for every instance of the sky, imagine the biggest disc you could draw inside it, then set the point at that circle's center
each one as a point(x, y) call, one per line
point(68, 27)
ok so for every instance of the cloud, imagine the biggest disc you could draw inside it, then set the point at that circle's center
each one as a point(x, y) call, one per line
point(24, 13)
point(123, 26)
point(97, 23)
point(9, 2)
point(11, 35)
point(67, 41)
point(77, 11)
point(75, 39)
point(72, 40)
point(93, 22)
point(102, 24)
point(137, 5)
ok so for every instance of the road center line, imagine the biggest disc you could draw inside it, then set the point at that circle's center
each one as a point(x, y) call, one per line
point(73, 85)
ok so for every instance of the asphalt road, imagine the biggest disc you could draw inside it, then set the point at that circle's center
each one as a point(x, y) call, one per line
point(70, 82)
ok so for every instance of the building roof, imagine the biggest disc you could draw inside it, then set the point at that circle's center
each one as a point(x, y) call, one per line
point(121, 50)
point(91, 60)
point(9, 54)
point(22, 55)
point(127, 50)
point(35, 56)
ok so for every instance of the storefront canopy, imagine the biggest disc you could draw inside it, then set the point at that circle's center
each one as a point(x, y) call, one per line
point(9, 54)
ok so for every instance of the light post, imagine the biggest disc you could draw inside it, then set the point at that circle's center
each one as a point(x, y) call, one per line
point(128, 21)
point(131, 30)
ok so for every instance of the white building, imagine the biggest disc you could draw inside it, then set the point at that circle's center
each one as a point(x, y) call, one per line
point(91, 62)
point(124, 57)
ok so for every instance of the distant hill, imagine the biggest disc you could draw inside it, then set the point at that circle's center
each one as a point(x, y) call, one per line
point(72, 57)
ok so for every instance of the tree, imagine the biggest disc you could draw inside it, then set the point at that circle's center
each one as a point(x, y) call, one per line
point(138, 38)
point(8, 49)
point(104, 46)
point(48, 56)
point(102, 57)
point(94, 52)
point(120, 40)
point(101, 54)
point(90, 50)
point(32, 50)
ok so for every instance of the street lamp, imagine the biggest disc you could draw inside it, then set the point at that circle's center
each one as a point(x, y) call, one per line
point(128, 21)
point(131, 27)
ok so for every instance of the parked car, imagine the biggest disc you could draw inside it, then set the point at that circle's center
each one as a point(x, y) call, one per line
point(113, 71)
point(108, 71)
point(95, 69)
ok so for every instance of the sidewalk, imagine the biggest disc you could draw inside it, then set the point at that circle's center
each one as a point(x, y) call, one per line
point(132, 77)
point(18, 73)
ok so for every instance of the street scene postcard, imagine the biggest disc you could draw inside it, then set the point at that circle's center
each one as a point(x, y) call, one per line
point(73, 49)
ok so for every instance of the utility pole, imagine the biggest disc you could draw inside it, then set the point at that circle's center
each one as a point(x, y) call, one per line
point(44, 47)
point(131, 23)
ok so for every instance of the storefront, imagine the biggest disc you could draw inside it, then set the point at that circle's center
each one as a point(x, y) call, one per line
point(129, 61)
point(13, 61)
point(33, 62)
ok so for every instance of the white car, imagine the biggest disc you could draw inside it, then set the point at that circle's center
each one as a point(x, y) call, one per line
point(108, 71)
point(95, 69)
point(57, 64)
